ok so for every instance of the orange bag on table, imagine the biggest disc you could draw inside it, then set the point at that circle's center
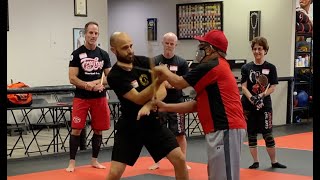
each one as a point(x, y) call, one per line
point(19, 100)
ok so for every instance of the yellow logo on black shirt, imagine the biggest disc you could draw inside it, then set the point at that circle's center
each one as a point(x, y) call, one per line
point(144, 80)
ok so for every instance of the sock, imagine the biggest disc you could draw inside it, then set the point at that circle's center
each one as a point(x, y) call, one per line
point(255, 165)
point(74, 145)
point(96, 143)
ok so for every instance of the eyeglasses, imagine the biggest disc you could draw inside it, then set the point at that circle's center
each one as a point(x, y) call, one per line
point(257, 49)
point(203, 46)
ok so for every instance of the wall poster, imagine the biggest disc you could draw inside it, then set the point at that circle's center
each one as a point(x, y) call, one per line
point(78, 37)
point(198, 18)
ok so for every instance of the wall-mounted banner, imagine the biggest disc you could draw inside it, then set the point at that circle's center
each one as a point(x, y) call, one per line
point(304, 16)
point(254, 26)
point(152, 29)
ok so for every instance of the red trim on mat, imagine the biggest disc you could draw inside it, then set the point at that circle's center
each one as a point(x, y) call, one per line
point(301, 141)
point(198, 172)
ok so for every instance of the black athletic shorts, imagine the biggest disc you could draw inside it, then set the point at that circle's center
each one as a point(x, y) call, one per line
point(174, 121)
point(259, 121)
point(128, 142)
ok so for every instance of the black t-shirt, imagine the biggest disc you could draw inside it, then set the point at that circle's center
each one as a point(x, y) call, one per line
point(176, 65)
point(249, 73)
point(122, 81)
point(91, 64)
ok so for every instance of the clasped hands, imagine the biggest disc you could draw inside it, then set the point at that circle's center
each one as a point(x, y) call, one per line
point(94, 86)
point(154, 105)
point(160, 72)
point(257, 101)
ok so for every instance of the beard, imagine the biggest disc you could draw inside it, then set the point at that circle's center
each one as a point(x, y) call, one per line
point(125, 59)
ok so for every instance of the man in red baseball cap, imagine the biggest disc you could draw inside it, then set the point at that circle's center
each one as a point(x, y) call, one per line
point(217, 103)
point(216, 40)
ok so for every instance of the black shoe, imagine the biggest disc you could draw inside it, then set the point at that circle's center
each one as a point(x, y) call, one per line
point(278, 165)
point(255, 165)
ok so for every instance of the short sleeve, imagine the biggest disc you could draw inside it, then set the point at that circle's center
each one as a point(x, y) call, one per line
point(119, 83)
point(273, 75)
point(244, 74)
point(184, 67)
point(193, 76)
point(107, 61)
point(74, 60)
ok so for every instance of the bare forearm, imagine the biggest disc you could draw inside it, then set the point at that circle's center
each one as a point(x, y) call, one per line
point(160, 95)
point(161, 92)
point(98, 81)
point(185, 107)
point(144, 96)
point(78, 82)
point(269, 91)
point(87, 85)
point(246, 92)
point(176, 81)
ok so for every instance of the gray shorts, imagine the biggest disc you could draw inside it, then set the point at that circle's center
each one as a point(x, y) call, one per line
point(224, 151)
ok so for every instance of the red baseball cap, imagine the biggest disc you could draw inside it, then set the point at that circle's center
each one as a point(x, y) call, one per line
point(216, 38)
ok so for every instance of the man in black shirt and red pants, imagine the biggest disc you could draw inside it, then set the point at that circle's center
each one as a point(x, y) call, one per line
point(88, 67)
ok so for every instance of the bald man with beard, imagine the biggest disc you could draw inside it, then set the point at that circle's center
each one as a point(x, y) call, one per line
point(138, 125)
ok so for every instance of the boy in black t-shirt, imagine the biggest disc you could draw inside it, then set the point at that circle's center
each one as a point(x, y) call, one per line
point(256, 100)
point(134, 89)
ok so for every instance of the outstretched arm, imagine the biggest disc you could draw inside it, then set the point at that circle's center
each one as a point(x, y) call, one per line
point(163, 73)
point(184, 107)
